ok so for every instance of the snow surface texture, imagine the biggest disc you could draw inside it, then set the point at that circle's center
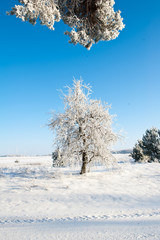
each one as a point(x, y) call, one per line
point(38, 201)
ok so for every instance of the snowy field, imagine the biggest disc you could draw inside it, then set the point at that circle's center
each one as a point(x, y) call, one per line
point(39, 202)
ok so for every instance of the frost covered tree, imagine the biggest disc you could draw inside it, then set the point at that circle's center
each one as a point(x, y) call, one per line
point(90, 20)
point(148, 149)
point(137, 152)
point(84, 131)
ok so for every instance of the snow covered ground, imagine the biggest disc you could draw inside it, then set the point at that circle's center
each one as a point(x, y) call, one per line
point(39, 202)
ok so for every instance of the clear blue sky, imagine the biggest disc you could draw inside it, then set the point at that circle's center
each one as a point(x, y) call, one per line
point(35, 62)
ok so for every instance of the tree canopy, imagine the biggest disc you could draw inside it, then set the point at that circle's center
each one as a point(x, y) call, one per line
point(84, 131)
point(90, 20)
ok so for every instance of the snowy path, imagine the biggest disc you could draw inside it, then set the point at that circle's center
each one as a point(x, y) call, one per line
point(102, 230)
point(145, 215)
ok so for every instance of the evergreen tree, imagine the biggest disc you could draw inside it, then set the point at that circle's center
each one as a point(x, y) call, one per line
point(83, 132)
point(137, 153)
point(148, 149)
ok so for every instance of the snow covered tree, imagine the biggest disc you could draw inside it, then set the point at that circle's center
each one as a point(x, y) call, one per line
point(90, 20)
point(148, 149)
point(57, 160)
point(83, 132)
point(137, 152)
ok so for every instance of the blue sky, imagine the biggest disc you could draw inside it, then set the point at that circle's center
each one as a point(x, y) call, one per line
point(35, 62)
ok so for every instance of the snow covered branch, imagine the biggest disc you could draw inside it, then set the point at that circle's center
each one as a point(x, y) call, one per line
point(90, 20)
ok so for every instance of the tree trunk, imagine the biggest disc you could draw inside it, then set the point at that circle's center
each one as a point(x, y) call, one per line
point(84, 163)
point(84, 155)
